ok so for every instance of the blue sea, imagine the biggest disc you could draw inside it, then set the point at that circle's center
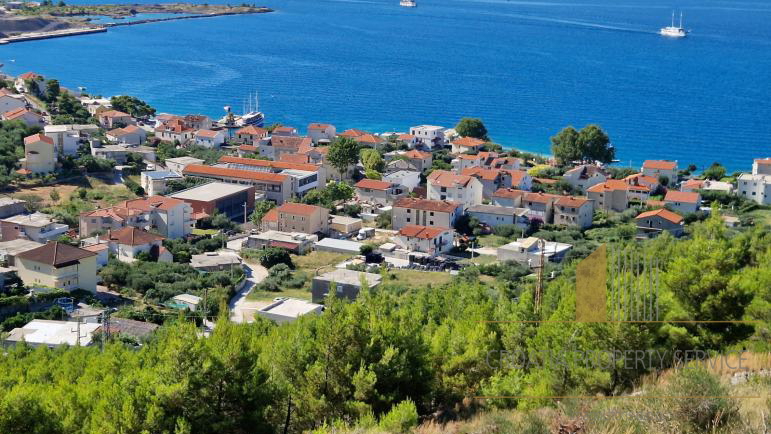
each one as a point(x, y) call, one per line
point(526, 68)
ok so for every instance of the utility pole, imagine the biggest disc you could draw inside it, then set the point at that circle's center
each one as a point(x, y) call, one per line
point(539, 284)
point(203, 323)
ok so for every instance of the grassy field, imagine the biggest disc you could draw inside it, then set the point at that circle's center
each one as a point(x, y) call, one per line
point(492, 241)
point(761, 216)
point(205, 231)
point(414, 278)
point(307, 265)
point(302, 294)
point(100, 192)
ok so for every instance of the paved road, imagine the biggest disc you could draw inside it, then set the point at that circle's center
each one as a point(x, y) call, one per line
point(241, 309)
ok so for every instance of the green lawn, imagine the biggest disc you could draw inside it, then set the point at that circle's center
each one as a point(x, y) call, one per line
point(761, 216)
point(322, 261)
point(302, 294)
point(414, 278)
point(197, 231)
point(492, 241)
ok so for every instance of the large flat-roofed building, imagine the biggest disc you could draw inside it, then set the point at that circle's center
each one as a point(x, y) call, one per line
point(233, 200)
point(347, 284)
point(289, 309)
point(274, 186)
point(49, 333)
point(36, 227)
point(305, 176)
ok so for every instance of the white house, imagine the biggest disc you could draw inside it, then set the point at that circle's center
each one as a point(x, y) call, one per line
point(428, 135)
point(658, 168)
point(756, 188)
point(322, 133)
point(29, 117)
point(209, 138)
point(128, 242)
point(128, 135)
point(177, 165)
point(444, 185)
point(429, 240)
point(154, 182)
point(584, 176)
point(682, 201)
point(66, 138)
point(405, 178)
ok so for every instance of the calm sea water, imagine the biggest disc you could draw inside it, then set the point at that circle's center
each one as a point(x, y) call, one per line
point(527, 68)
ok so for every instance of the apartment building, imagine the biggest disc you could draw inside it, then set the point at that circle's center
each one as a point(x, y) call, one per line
point(307, 219)
point(444, 185)
point(425, 212)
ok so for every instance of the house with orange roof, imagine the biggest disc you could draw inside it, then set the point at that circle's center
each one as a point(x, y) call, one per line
point(407, 139)
point(573, 211)
point(510, 197)
point(617, 195)
point(128, 135)
point(659, 168)
point(377, 192)
point(761, 166)
point(369, 140)
point(279, 145)
point(305, 176)
point(466, 144)
point(651, 224)
point(509, 163)
point(421, 160)
point(250, 135)
point(209, 138)
point(584, 176)
point(114, 119)
point(494, 179)
point(540, 206)
point(299, 217)
point(683, 202)
point(39, 154)
point(30, 118)
point(352, 133)
point(652, 183)
point(425, 239)
point(706, 184)
point(169, 217)
point(428, 135)
point(271, 186)
point(322, 133)
point(11, 101)
point(444, 185)
point(174, 129)
point(269, 221)
point(127, 243)
point(284, 131)
point(426, 212)
point(22, 80)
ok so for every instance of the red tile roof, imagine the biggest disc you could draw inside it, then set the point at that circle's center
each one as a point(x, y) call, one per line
point(270, 216)
point(373, 184)
point(113, 114)
point(369, 139)
point(39, 137)
point(663, 213)
point(570, 201)
point(517, 176)
point(298, 209)
point(17, 113)
point(443, 178)
point(294, 158)
point(292, 142)
point(29, 76)
point(153, 202)
point(56, 254)
point(694, 184)
point(469, 142)
point(268, 163)
point(248, 148)
point(615, 184)
point(425, 232)
point(352, 133)
point(285, 129)
point(480, 173)
point(763, 161)
point(681, 196)
point(318, 126)
point(540, 197)
point(415, 154)
point(201, 170)
point(253, 131)
point(659, 164)
point(207, 133)
point(426, 204)
point(509, 193)
point(406, 137)
point(131, 236)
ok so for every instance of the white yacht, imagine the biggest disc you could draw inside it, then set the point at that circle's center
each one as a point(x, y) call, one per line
point(408, 3)
point(251, 115)
point(672, 31)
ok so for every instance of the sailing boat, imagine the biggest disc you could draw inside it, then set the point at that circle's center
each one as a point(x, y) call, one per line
point(408, 3)
point(672, 31)
point(251, 114)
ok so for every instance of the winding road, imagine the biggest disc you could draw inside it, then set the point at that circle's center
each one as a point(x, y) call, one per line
point(241, 309)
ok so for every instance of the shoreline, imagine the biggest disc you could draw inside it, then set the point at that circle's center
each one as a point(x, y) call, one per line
point(75, 31)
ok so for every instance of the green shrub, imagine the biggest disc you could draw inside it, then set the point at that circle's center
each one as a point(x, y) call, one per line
point(708, 408)
point(402, 417)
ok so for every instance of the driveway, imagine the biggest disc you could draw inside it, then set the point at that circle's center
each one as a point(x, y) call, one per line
point(241, 309)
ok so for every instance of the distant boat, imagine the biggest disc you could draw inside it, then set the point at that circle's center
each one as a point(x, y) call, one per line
point(672, 31)
point(408, 3)
point(251, 115)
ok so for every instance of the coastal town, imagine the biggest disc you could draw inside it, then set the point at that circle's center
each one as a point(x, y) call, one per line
point(183, 273)
point(116, 217)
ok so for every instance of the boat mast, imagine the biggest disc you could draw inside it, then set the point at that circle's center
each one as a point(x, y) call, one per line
point(681, 19)
point(673, 18)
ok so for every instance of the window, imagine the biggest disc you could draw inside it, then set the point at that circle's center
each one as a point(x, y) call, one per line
point(444, 189)
point(431, 214)
point(408, 219)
